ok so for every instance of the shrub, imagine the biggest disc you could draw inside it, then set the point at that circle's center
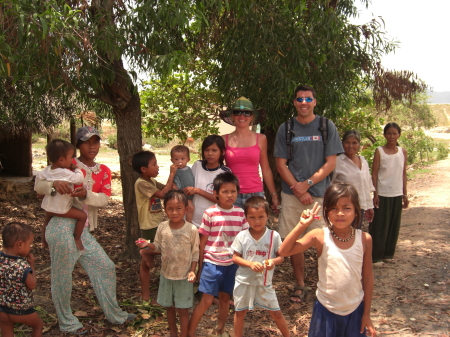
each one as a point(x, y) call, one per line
point(157, 143)
point(112, 141)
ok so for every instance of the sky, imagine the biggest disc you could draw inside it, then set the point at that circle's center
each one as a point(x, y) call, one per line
point(421, 27)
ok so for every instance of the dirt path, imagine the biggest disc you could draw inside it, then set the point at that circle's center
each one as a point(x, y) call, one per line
point(411, 298)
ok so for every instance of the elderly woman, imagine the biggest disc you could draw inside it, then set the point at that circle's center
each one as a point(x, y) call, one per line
point(354, 169)
point(246, 152)
point(58, 235)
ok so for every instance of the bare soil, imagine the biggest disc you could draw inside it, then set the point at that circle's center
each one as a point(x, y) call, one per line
point(411, 297)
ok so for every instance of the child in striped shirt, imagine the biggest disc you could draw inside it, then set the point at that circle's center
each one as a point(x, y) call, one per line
point(220, 225)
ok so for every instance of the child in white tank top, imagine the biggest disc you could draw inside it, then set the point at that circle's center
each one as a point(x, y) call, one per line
point(345, 286)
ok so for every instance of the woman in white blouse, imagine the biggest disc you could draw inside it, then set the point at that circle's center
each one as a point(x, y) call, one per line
point(354, 169)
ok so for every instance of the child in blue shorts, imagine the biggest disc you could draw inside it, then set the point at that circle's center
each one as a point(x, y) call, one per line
point(220, 225)
point(255, 252)
point(345, 286)
point(177, 241)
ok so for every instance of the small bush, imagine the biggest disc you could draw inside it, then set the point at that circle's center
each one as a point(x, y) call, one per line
point(112, 141)
point(443, 152)
point(157, 143)
point(35, 138)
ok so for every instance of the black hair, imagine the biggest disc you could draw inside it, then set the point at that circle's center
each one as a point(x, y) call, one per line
point(214, 139)
point(256, 203)
point(304, 87)
point(334, 193)
point(141, 159)
point(392, 125)
point(177, 195)
point(225, 178)
point(15, 231)
point(179, 149)
point(56, 149)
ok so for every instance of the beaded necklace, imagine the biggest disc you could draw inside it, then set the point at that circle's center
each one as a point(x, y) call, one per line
point(343, 240)
point(94, 169)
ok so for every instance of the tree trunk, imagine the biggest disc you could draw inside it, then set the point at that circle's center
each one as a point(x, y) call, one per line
point(127, 113)
point(129, 141)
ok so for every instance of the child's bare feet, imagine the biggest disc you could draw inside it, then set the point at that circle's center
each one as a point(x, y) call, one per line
point(79, 244)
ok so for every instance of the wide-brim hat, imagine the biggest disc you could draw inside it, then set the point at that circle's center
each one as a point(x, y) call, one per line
point(86, 132)
point(243, 104)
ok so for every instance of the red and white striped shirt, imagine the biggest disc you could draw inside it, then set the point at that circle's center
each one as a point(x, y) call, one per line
point(221, 227)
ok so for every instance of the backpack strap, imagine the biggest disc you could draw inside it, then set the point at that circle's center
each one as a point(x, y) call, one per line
point(323, 128)
point(289, 124)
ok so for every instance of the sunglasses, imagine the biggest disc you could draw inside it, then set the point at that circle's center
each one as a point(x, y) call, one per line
point(240, 113)
point(307, 99)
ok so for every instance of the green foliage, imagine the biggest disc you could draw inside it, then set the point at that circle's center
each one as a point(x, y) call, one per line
point(413, 114)
point(292, 42)
point(179, 106)
point(112, 141)
point(442, 151)
point(35, 138)
point(421, 147)
point(156, 142)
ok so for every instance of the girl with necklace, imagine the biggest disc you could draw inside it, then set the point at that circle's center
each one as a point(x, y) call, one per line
point(345, 286)
point(58, 236)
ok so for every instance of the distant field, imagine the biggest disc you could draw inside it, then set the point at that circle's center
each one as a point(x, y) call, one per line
point(442, 113)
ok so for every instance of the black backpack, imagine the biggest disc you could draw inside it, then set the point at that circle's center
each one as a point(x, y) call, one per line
point(323, 128)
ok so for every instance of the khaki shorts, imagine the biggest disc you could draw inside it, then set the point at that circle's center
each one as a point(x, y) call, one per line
point(290, 214)
point(247, 296)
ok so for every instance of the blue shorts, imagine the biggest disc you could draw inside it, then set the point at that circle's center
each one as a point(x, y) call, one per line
point(175, 293)
point(324, 323)
point(242, 197)
point(215, 279)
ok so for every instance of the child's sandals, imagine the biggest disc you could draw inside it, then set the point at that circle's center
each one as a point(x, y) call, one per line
point(301, 296)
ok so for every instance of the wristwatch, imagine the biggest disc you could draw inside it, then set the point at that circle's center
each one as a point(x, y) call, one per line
point(53, 191)
point(310, 182)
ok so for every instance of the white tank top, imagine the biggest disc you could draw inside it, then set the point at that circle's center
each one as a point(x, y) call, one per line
point(390, 173)
point(340, 274)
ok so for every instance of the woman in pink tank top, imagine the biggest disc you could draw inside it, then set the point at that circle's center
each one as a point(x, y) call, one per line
point(246, 152)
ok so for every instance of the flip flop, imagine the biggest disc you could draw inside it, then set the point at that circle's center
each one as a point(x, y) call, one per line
point(302, 296)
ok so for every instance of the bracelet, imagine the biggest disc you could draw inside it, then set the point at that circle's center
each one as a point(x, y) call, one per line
point(274, 193)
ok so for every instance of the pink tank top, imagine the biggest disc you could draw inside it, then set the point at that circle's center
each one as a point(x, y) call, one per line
point(244, 163)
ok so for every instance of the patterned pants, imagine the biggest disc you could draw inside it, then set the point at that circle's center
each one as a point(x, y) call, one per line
point(101, 270)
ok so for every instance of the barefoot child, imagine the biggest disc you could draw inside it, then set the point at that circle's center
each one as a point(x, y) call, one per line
point(345, 286)
point(183, 178)
point(255, 252)
point(60, 153)
point(177, 241)
point(220, 225)
point(149, 193)
point(17, 280)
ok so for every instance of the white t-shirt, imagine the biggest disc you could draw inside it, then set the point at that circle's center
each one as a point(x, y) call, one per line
point(59, 204)
point(256, 251)
point(204, 180)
